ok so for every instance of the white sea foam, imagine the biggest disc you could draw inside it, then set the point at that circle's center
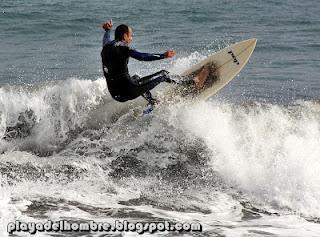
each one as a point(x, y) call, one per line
point(270, 152)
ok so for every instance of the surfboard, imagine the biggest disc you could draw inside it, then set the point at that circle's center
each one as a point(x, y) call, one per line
point(225, 65)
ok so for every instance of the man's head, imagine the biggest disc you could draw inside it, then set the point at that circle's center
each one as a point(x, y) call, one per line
point(123, 33)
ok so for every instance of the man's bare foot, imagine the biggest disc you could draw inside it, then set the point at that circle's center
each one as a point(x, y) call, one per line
point(201, 78)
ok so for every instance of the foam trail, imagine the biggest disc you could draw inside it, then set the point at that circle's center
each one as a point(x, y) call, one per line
point(270, 152)
point(47, 115)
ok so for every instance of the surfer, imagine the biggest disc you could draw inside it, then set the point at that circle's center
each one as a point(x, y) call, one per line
point(115, 56)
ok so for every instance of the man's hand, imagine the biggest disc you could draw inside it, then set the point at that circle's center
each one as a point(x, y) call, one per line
point(107, 25)
point(169, 54)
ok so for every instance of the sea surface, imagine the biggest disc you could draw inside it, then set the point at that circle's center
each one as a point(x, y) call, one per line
point(244, 163)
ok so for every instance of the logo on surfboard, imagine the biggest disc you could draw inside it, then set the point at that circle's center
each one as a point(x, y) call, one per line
point(235, 60)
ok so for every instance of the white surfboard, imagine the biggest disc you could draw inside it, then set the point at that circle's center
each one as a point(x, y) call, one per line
point(228, 62)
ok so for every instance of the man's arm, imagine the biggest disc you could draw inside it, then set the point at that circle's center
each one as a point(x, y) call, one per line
point(150, 57)
point(145, 56)
point(106, 37)
point(107, 26)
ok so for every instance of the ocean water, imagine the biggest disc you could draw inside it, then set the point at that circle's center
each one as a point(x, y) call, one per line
point(244, 163)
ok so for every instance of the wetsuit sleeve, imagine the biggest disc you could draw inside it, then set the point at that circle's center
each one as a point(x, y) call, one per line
point(145, 56)
point(106, 37)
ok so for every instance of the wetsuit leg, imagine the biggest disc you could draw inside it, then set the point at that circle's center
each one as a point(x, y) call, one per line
point(145, 84)
point(161, 76)
point(143, 89)
point(148, 96)
point(142, 86)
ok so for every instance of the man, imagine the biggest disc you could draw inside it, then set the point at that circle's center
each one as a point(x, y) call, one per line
point(115, 57)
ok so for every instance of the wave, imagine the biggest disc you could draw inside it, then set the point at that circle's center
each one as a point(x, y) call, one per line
point(46, 116)
point(267, 152)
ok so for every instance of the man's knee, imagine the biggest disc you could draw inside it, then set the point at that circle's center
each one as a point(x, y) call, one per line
point(165, 75)
point(135, 79)
point(165, 72)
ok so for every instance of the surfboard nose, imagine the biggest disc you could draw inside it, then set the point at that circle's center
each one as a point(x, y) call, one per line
point(254, 41)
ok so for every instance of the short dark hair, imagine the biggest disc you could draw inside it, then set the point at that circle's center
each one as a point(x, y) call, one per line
point(120, 31)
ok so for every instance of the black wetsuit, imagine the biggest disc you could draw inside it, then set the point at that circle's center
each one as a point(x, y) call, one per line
point(122, 87)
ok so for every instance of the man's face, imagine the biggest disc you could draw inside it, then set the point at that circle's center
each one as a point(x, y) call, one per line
point(128, 36)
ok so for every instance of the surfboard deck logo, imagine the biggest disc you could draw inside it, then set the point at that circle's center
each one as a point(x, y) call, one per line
point(235, 60)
